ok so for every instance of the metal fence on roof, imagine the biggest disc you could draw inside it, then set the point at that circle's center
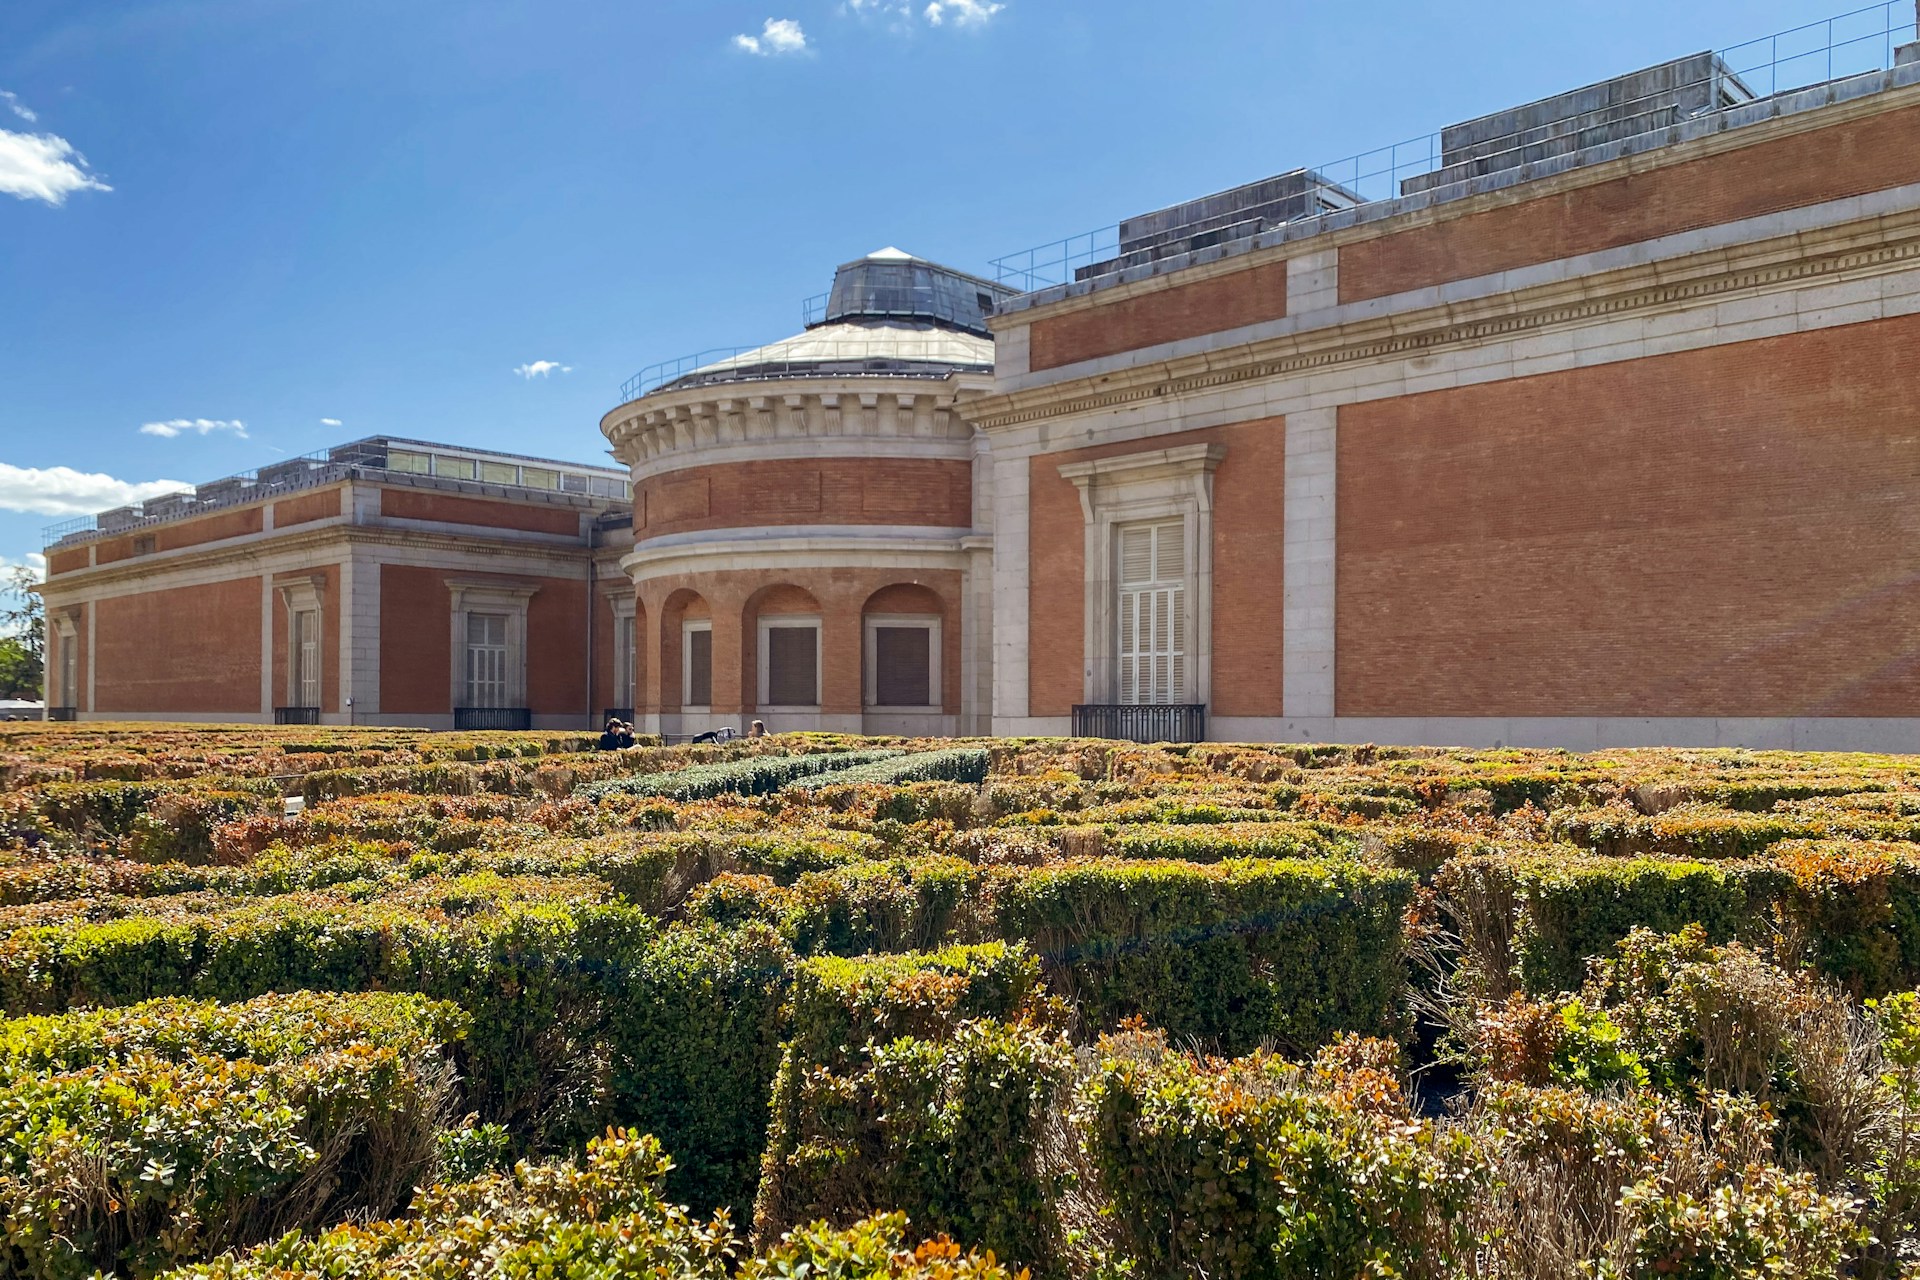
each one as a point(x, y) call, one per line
point(1857, 42)
point(888, 354)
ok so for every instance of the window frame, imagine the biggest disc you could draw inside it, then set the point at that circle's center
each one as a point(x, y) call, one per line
point(871, 626)
point(490, 596)
point(305, 596)
point(688, 627)
point(764, 660)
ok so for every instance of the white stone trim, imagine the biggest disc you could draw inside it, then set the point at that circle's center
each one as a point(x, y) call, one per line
point(795, 622)
point(1586, 733)
point(299, 596)
point(1158, 484)
point(1309, 564)
point(491, 595)
point(1012, 581)
point(688, 626)
point(870, 683)
point(796, 549)
point(803, 448)
point(66, 634)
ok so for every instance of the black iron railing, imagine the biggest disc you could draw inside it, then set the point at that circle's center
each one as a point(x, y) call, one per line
point(66, 715)
point(484, 719)
point(296, 715)
point(1180, 722)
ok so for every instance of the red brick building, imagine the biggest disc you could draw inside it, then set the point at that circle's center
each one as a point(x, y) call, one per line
point(1603, 428)
point(384, 582)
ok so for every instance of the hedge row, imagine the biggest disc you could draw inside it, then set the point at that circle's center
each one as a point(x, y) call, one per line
point(1536, 919)
point(753, 776)
point(961, 764)
point(135, 1139)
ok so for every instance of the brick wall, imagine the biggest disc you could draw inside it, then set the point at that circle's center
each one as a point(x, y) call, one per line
point(557, 648)
point(1727, 532)
point(186, 533)
point(416, 641)
point(321, 504)
point(60, 562)
point(1163, 315)
point(443, 508)
point(935, 492)
point(1806, 168)
point(1248, 593)
point(183, 649)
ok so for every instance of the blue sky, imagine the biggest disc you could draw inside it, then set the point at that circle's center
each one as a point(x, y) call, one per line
point(236, 229)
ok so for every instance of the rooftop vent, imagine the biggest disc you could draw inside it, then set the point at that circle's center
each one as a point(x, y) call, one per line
point(894, 285)
point(118, 518)
point(1627, 106)
point(226, 490)
point(167, 505)
point(1226, 216)
point(292, 471)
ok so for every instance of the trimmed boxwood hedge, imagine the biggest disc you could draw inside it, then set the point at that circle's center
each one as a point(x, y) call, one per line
point(753, 776)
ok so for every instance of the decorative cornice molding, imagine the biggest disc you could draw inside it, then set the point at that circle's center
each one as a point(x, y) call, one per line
point(1719, 275)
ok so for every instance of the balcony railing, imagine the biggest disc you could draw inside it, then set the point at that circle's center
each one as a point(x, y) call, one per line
point(296, 715)
point(1177, 722)
point(65, 715)
point(491, 719)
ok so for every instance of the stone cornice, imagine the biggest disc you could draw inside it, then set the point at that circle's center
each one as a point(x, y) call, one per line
point(679, 425)
point(1877, 246)
point(324, 538)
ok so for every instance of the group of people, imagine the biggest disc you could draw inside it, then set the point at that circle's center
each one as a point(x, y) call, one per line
point(618, 735)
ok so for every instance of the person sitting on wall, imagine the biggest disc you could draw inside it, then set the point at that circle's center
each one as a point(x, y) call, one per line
point(617, 737)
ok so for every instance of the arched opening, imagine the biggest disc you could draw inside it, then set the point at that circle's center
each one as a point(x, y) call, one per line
point(686, 653)
point(909, 675)
point(784, 672)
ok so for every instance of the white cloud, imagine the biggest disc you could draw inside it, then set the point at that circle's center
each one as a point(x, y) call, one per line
point(18, 107)
point(62, 491)
point(32, 560)
point(962, 13)
point(541, 369)
point(330, 422)
point(779, 35)
point(41, 166)
point(195, 426)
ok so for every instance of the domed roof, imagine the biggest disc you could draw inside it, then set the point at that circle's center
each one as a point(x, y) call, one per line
point(890, 314)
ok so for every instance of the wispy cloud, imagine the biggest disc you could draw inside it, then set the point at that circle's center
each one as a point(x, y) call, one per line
point(330, 422)
point(962, 13)
point(62, 491)
point(18, 107)
point(194, 426)
point(541, 369)
point(778, 36)
point(905, 15)
point(43, 166)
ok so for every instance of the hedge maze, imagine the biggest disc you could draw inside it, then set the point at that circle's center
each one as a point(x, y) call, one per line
point(805, 1006)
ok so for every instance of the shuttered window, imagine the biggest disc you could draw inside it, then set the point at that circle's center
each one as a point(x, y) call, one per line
point(1153, 613)
point(305, 646)
point(699, 669)
point(793, 666)
point(487, 660)
point(902, 666)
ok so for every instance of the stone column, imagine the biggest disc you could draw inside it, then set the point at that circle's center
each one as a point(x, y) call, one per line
point(1307, 688)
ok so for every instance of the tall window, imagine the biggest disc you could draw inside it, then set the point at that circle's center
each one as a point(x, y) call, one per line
point(304, 669)
point(903, 661)
point(487, 682)
point(624, 652)
point(696, 665)
point(789, 662)
point(69, 669)
point(1152, 612)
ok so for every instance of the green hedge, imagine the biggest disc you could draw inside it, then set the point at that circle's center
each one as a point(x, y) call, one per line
point(753, 776)
point(1687, 831)
point(960, 764)
point(902, 1089)
point(1196, 842)
point(1236, 952)
point(1536, 919)
point(136, 1139)
point(1856, 907)
point(1261, 1170)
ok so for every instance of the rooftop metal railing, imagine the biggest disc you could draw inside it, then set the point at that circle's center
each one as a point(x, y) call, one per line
point(1853, 43)
point(890, 355)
